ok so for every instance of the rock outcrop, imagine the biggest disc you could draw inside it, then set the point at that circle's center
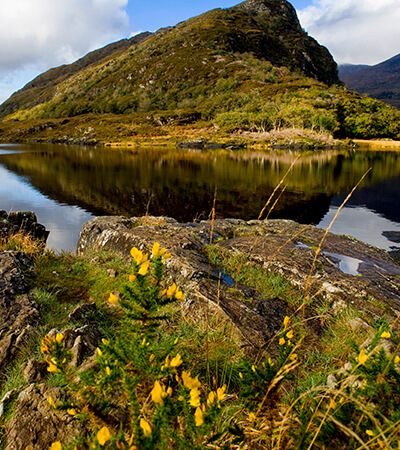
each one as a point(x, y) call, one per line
point(36, 424)
point(25, 221)
point(347, 272)
point(19, 313)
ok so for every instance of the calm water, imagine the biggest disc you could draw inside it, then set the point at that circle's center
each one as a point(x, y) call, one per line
point(66, 186)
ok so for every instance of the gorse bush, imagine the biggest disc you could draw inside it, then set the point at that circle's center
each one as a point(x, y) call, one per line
point(141, 393)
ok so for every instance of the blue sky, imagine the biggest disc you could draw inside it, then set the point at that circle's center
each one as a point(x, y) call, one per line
point(39, 34)
point(163, 13)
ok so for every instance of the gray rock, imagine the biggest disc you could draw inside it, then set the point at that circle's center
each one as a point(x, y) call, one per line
point(19, 313)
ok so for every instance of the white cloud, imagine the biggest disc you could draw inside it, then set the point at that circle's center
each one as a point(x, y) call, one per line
point(357, 32)
point(46, 33)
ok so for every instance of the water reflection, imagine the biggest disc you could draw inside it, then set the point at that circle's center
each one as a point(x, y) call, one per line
point(64, 221)
point(181, 183)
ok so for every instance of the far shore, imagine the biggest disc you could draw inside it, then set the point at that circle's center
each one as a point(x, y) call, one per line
point(377, 144)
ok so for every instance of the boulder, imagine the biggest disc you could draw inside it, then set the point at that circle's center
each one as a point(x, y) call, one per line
point(36, 424)
point(19, 313)
point(346, 272)
point(25, 221)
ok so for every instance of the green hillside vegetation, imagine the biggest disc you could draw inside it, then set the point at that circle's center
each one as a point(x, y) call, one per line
point(250, 67)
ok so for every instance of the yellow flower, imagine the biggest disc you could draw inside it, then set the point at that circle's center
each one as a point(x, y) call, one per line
point(108, 370)
point(104, 341)
point(171, 290)
point(293, 356)
point(59, 337)
point(156, 250)
point(370, 433)
point(289, 335)
point(253, 368)
point(132, 277)
point(252, 417)
point(169, 391)
point(397, 359)
point(195, 397)
point(103, 435)
point(190, 382)
point(72, 411)
point(281, 341)
point(52, 367)
point(332, 404)
point(56, 446)
point(51, 402)
point(146, 427)
point(270, 362)
point(211, 398)
point(144, 268)
point(179, 295)
point(385, 335)
point(362, 357)
point(138, 256)
point(113, 298)
point(99, 352)
point(157, 393)
point(198, 417)
point(241, 375)
point(286, 321)
point(221, 392)
point(177, 361)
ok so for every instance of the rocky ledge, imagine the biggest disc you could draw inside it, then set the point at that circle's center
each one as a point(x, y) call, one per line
point(346, 272)
point(25, 221)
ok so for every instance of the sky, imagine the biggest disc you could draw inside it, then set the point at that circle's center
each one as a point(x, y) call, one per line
point(36, 35)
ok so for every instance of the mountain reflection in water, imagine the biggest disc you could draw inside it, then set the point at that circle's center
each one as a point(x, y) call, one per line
point(181, 183)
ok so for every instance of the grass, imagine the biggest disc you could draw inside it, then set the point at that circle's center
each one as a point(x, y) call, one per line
point(275, 404)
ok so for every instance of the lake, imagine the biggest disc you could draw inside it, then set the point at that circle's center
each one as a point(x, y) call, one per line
point(67, 185)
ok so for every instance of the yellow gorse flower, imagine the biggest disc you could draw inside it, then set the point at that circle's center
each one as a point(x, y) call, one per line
point(138, 256)
point(156, 251)
point(113, 298)
point(289, 334)
point(144, 268)
point(362, 357)
point(56, 446)
point(198, 417)
point(158, 393)
point(72, 411)
point(286, 321)
point(370, 433)
point(177, 361)
point(221, 392)
point(282, 341)
point(49, 343)
point(103, 435)
point(195, 397)
point(146, 427)
point(190, 382)
point(52, 366)
point(174, 291)
point(385, 335)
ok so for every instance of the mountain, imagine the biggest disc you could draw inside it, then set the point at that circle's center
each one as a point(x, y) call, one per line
point(345, 69)
point(249, 68)
point(381, 81)
point(178, 63)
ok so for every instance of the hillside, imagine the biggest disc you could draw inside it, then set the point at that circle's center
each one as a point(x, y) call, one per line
point(346, 69)
point(250, 67)
point(381, 81)
point(201, 51)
